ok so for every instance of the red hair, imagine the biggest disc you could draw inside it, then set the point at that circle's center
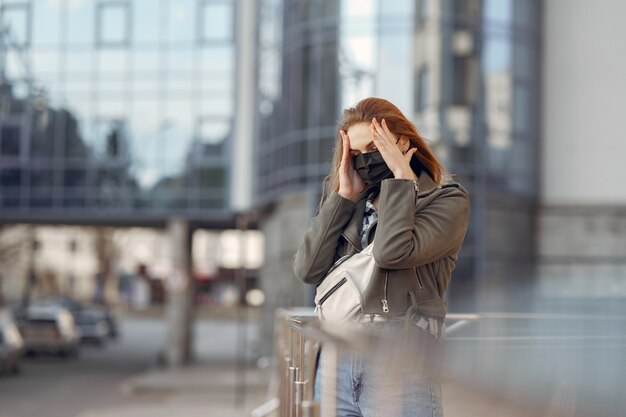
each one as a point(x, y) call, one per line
point(363, 112)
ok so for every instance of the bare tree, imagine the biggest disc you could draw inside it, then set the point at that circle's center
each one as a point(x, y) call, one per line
point(12, 241)
point(106, 253)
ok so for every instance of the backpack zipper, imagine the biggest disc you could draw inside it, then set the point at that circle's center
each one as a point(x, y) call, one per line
point(332, 290)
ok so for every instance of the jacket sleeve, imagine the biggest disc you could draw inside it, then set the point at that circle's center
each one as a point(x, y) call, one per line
point(317, 251)
point(406, 238)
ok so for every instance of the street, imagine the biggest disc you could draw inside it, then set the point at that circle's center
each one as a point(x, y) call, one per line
point(53, 387)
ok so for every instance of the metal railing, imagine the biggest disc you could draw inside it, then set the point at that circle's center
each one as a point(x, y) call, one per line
point(511, 352)
point(298, 336)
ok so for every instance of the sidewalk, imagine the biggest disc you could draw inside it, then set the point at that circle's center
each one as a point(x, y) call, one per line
point(198, 390)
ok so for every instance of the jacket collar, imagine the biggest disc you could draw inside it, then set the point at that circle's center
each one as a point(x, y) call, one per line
point(353, 228)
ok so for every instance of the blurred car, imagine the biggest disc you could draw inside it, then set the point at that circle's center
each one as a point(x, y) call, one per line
point(49, 329)
point(93, 326)
point(96, 323)
point(11, 344)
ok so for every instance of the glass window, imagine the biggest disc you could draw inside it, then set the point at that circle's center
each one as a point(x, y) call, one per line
point(181, 20)
point(112, 24)
point(520, 109)
point(18, 92)
point(46, 24)
point(422, 88)
point(180, 89)
point(10, 180)
point(211, 177)
point(145, 28)
point(145, 61)
point(80, 23)
point(524, 13)
point(497, 13)
point(145, 86)
point(522, 60)
point(14, 71)
point(213, 130)
point(41, 178)
point(422, 11)
point(177, 133)
point(109, 137)
point(216, 21)
point(222, 106)
point(181, 59)
point(464, 81)
point(16, 18)
point(79, 64)
point(466, 12)
point(45, 124)
point(497, 54)
point(45, 62)
point(219, 60)
point(75, 138)
point(10, 141)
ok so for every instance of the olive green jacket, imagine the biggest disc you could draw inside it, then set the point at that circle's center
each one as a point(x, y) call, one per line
point(418, 237)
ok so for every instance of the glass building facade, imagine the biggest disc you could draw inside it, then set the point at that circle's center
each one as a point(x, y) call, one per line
point(116, 108)
point(464, 71)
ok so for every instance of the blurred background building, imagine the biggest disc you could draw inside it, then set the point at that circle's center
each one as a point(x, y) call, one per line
point(117, 116)
point(117, 109)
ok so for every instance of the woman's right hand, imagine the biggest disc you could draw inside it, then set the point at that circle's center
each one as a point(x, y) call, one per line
point(350, 182)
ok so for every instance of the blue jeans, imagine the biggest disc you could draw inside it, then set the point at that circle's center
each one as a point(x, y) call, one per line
point(375, 388)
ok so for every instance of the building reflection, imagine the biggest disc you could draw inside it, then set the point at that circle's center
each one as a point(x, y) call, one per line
point(115, 108)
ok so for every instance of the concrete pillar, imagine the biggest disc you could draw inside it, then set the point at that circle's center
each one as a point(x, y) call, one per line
point(241, 148)
point(180, 294)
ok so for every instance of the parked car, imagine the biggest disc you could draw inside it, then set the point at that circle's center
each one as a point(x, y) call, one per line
point(93, 326)
point(49, 329)
point(11, 344)
point(96, 323)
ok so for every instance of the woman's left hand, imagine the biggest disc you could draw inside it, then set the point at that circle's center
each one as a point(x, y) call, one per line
point(385, 142)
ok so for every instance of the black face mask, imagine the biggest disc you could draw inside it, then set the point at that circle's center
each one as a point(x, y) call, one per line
point(371, 166)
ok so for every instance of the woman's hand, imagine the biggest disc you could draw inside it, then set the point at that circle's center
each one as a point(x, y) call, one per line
point(350, 182)
point(385, 141)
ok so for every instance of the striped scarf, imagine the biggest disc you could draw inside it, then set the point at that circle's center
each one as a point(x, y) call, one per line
point(369, 218)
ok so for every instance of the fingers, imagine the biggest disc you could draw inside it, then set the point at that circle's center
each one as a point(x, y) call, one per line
point(345, 143)
point(409, 153)
point(386, 129)
point(378, 128)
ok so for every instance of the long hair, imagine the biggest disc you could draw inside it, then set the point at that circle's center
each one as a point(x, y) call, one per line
point(363, 112)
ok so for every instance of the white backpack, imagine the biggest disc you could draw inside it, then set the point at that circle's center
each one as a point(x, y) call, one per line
point(339, 297)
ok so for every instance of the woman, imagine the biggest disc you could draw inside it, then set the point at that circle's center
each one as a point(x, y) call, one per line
point(386, 184)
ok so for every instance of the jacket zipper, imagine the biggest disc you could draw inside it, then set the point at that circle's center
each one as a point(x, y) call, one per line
point(332, 290)
point(384, 301)
point(419, 281)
